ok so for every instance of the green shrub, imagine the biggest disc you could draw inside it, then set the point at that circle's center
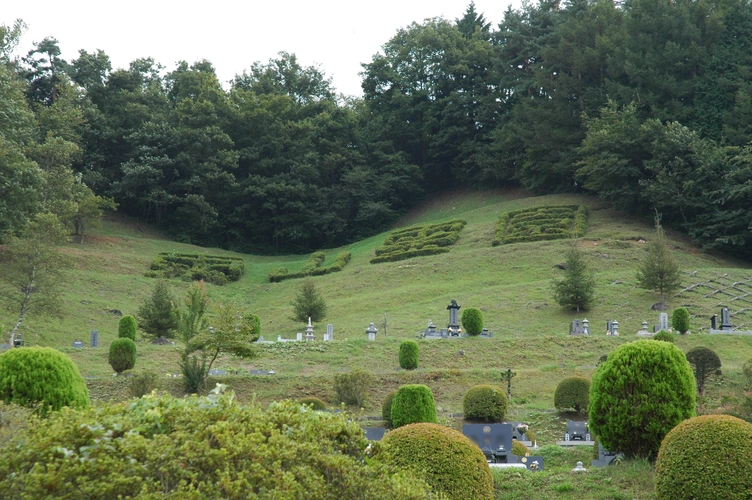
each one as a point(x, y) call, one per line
point(352, 388)
point(449, 461)
point(198, 447)
point(41, 377)
point(638, 394)
point(747, 368)
point(127, 328)
point(194, 372)
point(705, 363)
point(486, 403)
point(143, 383)
point(158, 314)
point(386, 408)
point(413, 403)
point(572, 393)
point(664, 336)
point(472, 321)
point(408, 355)
point(309, 303)
point(314, 267)
point(314, 402)
point(255, 323)
point(122, 355)
point(680, 320)
point(520, 449)
point(706, 457)
point(419, 241)
point(212, 268)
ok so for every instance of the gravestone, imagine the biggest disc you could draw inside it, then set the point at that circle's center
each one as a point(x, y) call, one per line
point(518, 433)
point(643, 331)
point(577, 431)
point(330, 331)
point(532, 463)
point(299, 337)
point(486, 333)
point(612, 327)
point(217, 373)
point(18, 341)
point(371, 331)
point(714, 322)
point(454, 323)
point(94, 342)
point(606, 457)
point(262, 372)
point(374, 433)
point(663, 321)
point(577, 328)
point(494, 440)
point(77, 344)
point(726, 320)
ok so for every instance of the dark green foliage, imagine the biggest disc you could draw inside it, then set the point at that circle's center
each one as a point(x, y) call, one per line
point(658, 269)
point(418, 241)
point(413, 403)
point(254, 323)
point(638, 394)
point(158, 314)
point(680, 320)
point(142, 383)
point(572, 393)
point(352, 388)
point(705, 363)
point(127, 328)
point(448, 460)
point(520, 449)
point(472, 321)
point(122, 355)
point(211, 268)
point(486, 403)
point(409, 354)
point(313, 402)
point(41, 377)
point(706, 457)
point(540, 224)
point(576, 289)
point(664, 336)
point(312, 268)
point(386, 408)
point(195, 371)
point(309, 303)
point(184, 448)
point(747, 369)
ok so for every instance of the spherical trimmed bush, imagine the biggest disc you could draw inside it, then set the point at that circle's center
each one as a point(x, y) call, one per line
point(41, 376)
point(449, 461)
point(664, 336)
point(122, 355)
point(572, 393)
point(706, 457)
point(386, 408)
point(408, 355)
point(127, 328)
point(639, 394)
point(314, 403)
point(413, 403)
point(680, 320)
point(472, 321)
point(486, 403)
point(519, 449)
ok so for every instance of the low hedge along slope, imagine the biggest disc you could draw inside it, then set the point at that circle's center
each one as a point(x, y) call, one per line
point(707, 457)
point(448, 460)
point(212, 268)
point(417, 241)
point(541, 223)
point(314, 267)
point(486, 403)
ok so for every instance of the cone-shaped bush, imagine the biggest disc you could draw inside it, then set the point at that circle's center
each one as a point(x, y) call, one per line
point(486, 403)
point(127, 328)
point(680, 320)
point(413, 403)
point(408, 355)
point(706, 457)
point(122, 355)
point(42, 377)
point(572, 393)
point(472, 321)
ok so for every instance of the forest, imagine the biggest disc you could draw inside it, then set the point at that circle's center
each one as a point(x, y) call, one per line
point(644, 103)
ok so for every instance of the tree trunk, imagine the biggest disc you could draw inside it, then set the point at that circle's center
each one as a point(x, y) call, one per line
point(24, 305)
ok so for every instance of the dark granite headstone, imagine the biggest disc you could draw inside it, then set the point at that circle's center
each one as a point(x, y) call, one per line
point(77, 344)
point(606, 457)
point(494, 440)
point(726, 320)
point(577, 431)
point(533, 463)
point(94, 342)
point(374, 433)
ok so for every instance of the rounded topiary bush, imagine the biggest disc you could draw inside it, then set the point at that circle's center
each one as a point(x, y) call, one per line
point(408, 355)
point(127, 328)
point(639, 394)
point(572, 393)
point(42, 377)
point(485, 402)
point(472, 321)
point(448, 460)
point(386, 408)
point(314, 403)
point(519, 449)
point(680, 320)
point(664, 336)
point(706, 457)
point(122, 355)
point(413, 403)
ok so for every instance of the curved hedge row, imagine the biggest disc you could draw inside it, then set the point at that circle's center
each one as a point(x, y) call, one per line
point(312, 268)
point(540, 224)
point(215, 269)
point(418, 241)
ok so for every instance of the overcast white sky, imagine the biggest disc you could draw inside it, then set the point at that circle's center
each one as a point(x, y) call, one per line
point(337, 34)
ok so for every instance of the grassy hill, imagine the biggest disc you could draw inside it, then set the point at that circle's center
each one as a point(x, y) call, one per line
point(509, 283)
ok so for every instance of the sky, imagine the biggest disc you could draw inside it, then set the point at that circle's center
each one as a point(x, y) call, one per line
point(338, 35)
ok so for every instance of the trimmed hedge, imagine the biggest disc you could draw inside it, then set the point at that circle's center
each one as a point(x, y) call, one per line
point(215, 269)
point(127, 328)
point(664, 336)
point(448, 460)
point(122, 355)
point(486, 403)
point(409, 354)
point(472, 321)
point(413, 403)
point(519, 449)
point(572, 393)
point(386, 408)
point(314, 267)
point(638, 394)
point(680, 320)
point(540, 224)
point(419, 241)
point(41, 377)
point(314, 403)
point(706, 457)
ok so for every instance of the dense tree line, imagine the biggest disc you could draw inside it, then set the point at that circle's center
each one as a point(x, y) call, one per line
point(646, 103)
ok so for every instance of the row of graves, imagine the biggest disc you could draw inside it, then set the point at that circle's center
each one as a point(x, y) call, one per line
point(310, 334)
point(453, 329)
